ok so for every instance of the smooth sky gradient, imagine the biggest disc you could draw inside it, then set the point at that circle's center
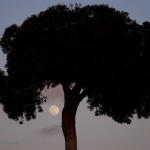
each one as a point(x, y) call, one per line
point(93, 133)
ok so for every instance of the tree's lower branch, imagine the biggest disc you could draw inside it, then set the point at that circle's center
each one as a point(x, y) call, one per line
point(76, 89)
point(66, 88)
point(82, 95)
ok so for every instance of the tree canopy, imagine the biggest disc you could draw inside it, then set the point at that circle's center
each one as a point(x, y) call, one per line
point(96, 47)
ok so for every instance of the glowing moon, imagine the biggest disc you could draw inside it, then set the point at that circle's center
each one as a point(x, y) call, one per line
point(54, 110)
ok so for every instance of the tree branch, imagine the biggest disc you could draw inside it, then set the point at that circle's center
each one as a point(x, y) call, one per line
point(66, 88)
point(82, 95)
point(76, 89)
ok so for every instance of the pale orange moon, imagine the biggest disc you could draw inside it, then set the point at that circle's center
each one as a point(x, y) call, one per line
point(54, 110)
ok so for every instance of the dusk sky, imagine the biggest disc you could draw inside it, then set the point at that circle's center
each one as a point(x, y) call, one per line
point(93, 133)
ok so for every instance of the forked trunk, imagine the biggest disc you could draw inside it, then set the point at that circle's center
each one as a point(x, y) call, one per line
point(72, 99)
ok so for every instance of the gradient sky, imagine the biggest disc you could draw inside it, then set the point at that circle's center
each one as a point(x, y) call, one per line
point(93, 133)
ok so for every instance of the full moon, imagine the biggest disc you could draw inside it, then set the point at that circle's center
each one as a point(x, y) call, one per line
point(54, 110)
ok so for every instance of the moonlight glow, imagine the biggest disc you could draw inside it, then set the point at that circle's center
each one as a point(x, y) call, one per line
point(54, 110)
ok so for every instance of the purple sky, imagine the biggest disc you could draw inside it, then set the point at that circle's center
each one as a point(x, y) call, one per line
point(94, 133)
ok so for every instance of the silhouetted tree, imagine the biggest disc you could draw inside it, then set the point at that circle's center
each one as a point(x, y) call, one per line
point(93, 51)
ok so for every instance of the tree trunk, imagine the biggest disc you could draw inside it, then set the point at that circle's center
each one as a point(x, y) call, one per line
point(68, 126)
point(72, 99)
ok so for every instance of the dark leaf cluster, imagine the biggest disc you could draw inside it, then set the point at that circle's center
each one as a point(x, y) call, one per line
point(96, 46)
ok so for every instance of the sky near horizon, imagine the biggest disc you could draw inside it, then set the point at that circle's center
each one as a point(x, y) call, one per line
point(93, 133)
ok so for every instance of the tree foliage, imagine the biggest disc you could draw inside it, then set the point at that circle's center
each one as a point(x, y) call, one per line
point(97, 47)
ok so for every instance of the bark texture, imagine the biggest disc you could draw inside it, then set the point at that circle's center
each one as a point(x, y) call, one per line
point(72, 99)
point(69, 129)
